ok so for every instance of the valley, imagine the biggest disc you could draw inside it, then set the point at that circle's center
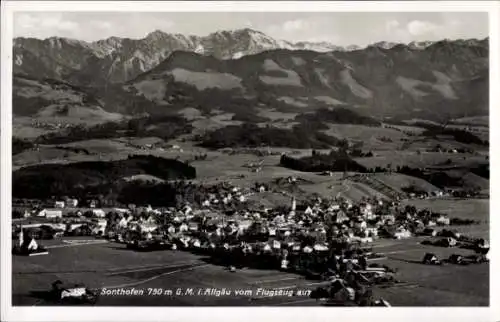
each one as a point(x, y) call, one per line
point(200, 143)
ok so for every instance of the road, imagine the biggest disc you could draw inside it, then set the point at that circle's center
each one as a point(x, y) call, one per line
point(347, 187)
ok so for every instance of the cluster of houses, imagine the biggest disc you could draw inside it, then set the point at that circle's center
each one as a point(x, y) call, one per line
point(60, 208)
point(50, 126)
point(224, 215)
point(314, 224)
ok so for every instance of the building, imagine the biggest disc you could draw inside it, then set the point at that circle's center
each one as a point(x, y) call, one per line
point(50, 213)
point(100, 227)
point(334, 207)
point(98, 213)
point(443, 220)
point(123, 223)
point(341, 217)
point(402, 233)
point(72, 203)
point(59, 204)
point(121, 210)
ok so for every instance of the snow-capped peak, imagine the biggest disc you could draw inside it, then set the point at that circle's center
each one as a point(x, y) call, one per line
point(420, 44)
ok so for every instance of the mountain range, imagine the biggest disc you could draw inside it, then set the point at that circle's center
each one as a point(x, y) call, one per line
point(242, 69)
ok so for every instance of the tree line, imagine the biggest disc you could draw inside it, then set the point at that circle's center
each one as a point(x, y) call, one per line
point(44, 181)
point(165, 127)
point(301, 136)
point(318, 162)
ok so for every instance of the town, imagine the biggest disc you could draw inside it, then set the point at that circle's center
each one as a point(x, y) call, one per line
point(323, 240)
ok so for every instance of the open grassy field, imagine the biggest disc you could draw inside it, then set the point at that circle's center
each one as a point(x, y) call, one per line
point(221, 166)
point(397, 181)
point(27, 131)
point(205, 124)
point(477, 120)
point(97, 150)
point(422, 160)
point(371, 137)
point(477, 209)
point(446, 143)
point(414, 130)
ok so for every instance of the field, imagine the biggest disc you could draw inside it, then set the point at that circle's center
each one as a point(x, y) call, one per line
point(478, 209)
point(371, 137)
point(110, 265)
point(398, 181)
point(416, 160)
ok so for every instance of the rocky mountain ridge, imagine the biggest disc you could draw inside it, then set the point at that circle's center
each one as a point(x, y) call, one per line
point(116, 60)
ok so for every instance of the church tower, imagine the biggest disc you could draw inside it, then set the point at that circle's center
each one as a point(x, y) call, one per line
point(294, 206)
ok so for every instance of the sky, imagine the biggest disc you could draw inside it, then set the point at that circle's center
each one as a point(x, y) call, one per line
point(340, 28)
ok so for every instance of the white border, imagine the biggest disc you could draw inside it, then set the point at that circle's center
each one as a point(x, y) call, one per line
point(8, 313)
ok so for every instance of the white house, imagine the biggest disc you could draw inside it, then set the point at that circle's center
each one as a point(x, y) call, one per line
point(50, 213)
point(147, 227)
point(366, 210)
point(72, 203)
point(402, 233)
point(98, 213)
point(123, 223)
point(371, 231)
point(431, 223)
point(443, 220)
point(193, 226)
point(183, 227)
point(187, 209)
point(388, 218)
point(360, 224)
point(362, 239)
point(451, 241)
point(307, 249)
point(59, 204)
point(320, 247)
point(341, 217)
point(101, 226)
point(121, 210)
point(334, 207)
point(73, 226)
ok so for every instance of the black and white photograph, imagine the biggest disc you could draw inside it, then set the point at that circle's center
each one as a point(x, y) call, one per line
point(239, 158)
